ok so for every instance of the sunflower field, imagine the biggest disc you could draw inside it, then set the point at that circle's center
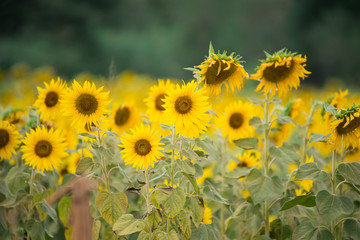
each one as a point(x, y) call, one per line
point(233, 153)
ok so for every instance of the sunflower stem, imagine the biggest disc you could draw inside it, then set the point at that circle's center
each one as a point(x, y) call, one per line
point(31, 189)
point(307, 127)
point(103, 165)
point(266, 160)
point(333, 180)
point(148, 191)
point(172, 158)
point(222, 211)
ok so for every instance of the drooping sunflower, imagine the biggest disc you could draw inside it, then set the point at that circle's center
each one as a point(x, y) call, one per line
point(187, 108)
point(207, 217)
point(44, 149)
point(124, 117)
point(220, 69)
point(141, 147)
point(234, 123)
point(280, 72)
point(345, 129)
point(9, 140)
point(49, 99)
point(85, 104)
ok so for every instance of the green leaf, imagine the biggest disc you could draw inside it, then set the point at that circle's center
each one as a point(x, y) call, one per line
point(304, 200)
point(307, 171)
point(277, 185)
point(256, 101)
point(238, 172)
point(64, 207)
point(154, 218)
point(175, 202)
point(166, 127)
point(346, 204)
point(259, 186)
point(89, 135)
point(352, 229)
point(286, 152)
point(184, 221)
point(35, 229)
point(186, 166)
point(196, 209)
point(284, 119)
point(263, 237)
point(16, 179)
point(204, 232)
point(44, 207)
point(192, 181)
point(127, 224)
point(111, 205)
point(85, 165)
point(258, 124)
point(304, 231)
point(160, 235)
point(4, 189)
point(350, 171)
point(317, 137)
point(210, 111)
point(247, 143)
point(328, 205)
point(211, 192)
point(329, 108)
point(96, 229)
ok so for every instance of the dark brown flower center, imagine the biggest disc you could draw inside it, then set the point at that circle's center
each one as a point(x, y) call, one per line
point(122, 115)
point(43, 148)
point(279, 73)
point(86, 104)
point(353, 124)
point(142, 147)
point(236, 120)
point(64, 171)
point(159, 101)
point(51, 99)
point(4, 138)
point(242, 164)
point(217, 74)
point(183, 104)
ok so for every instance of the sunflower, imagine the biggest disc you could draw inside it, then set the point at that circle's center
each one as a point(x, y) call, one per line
point(124, 117)
point(141, 148)
point(337, 100)
point(85, 104)
point(49, 99)
point(345, 129)
point(44, 149)
point(9, 140)
point(220, 69)
point(187, 108)
point(248, 159)
point(234, 123)
point(280, 71)
point(207, 217)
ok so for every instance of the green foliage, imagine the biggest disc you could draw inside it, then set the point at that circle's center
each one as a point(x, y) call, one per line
point(306, 231)
point(304, 200)
point(127, 224)
point(260, 186)
point(247, 143)
point(111, 205)
point(350, 171)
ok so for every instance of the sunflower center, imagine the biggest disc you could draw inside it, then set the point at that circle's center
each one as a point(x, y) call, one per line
point(242, 164)
point(142, 147)
point(353, 124)
point(122, 115)
point(64, 171)
point(219, 72)
point(51, 99)
point(159, 101)
point(86, 104)
point(4, 138)
point(279, 73)
point(236, 120)
point(183, 104)
point(43, 148)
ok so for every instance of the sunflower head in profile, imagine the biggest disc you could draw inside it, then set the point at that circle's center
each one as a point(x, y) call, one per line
point(220, 69)
point(9, 140)
point(85, 104)
point(234, 123)
point(44, 149)
point(187, 108)
point(48, 101)
point(141, 147)
point(123, 117)
point(345, 129)
point(280, 72)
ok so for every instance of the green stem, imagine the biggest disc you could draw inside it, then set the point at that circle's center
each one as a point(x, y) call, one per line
point(147, 191)
point(333, 181)
point(307, 127)
point(31, 190)
point(172, 158)
point(222, 210)
point(103, 164)
point(266, 160)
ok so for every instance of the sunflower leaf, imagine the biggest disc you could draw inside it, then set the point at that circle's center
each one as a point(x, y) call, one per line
point(350, 171)
point(85, 164)
point(317, 137)
point(166, 127)
point(111, 205)
point(127, 224)
point(329, 108)
point(247, 143)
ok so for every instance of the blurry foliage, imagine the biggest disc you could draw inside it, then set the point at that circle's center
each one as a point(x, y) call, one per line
point(162, 37)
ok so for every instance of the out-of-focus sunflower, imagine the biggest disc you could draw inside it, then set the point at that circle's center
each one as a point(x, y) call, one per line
point(44, 149)
point(9, 140)
point(207, 173)
point(337, 100)
point(248, 159)
point(85, 104)
point(307, 183)
point(49, 99)
point(345, 129)
point(187, 108)
point(124, 117)
point(234, 123)
point(207, 217)
point(220, 69)
point(17, 118)
point(141, 148)
point(280, 72)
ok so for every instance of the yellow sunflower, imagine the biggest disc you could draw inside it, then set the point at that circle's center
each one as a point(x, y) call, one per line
point(44, 149)
point(234, 123)
point(345, 129)
point(85, 104)
point(338, 100)
point(248, 159)
point(280, 72)
point(9, 140)
point(124, 117)
point(49, 99)
point(141, 148)
point(220, 69)
point(207, 217)
point(187, 108)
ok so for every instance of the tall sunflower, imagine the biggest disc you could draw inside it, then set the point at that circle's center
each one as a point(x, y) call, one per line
point(124, 117)
point(280, 72)
point(49, 99)
point(220, 69)
point(44, 149)
point(234, 123)
point(187, 108)
point(9, 140)
point(85, 104)
point(141, 148)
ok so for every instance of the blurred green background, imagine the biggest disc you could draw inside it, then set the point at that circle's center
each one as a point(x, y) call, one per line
point(161, 37)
